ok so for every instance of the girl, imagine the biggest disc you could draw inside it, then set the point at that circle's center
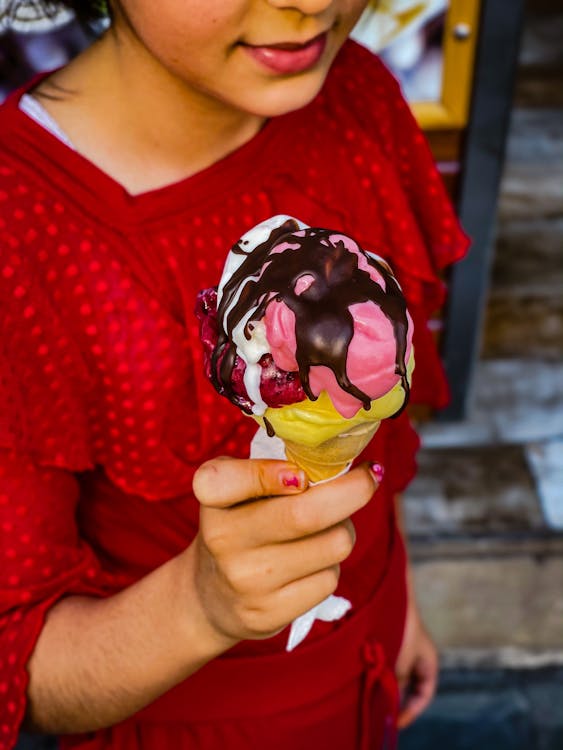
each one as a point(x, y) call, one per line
point(145, 580)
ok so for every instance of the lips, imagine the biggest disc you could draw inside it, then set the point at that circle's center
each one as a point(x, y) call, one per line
point(288, 57)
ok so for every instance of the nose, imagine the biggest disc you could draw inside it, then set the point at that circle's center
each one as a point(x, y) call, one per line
point(306, 7)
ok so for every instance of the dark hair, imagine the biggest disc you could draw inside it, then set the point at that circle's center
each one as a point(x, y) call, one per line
point(22, 12)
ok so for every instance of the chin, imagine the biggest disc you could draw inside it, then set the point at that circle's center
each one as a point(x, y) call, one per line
point(286, 96)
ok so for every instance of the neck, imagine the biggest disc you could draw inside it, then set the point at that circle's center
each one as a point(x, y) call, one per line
point(136, 120)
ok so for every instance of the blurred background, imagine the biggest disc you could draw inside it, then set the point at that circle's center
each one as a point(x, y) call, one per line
point(486, 511)
point(485, 514)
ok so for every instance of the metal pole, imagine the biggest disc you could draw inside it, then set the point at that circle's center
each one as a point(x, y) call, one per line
point(495, 69)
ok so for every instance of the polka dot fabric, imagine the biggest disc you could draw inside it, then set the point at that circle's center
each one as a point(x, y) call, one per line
point(104, 409)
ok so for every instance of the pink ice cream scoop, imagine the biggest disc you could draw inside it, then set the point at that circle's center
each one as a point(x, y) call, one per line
point(301, 310)
point(371, 351)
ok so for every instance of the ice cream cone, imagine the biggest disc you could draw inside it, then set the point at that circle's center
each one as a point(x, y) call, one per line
point(334, 456)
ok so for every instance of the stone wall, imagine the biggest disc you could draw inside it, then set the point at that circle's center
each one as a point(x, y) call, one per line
point(525, 310)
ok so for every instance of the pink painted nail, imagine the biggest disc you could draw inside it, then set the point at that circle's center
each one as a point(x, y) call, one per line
point(378, 471)
point(292, 478)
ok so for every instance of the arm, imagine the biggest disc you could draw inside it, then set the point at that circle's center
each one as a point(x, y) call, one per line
point(254, 566)
point(417, 663)
point(98, 661)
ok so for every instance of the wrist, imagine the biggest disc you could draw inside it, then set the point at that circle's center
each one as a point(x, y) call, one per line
point(195, 629)
point(412, 601)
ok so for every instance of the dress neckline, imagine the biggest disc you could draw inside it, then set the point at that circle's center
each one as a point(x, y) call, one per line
point(96, 191)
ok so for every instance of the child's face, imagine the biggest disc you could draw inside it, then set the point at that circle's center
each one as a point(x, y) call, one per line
point(228, 51)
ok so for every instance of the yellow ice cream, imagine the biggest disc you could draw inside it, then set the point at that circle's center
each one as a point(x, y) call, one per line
point(312, 423)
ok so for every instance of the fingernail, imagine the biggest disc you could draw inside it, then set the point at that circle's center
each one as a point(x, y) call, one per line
point(289, 478)
point(378, 471)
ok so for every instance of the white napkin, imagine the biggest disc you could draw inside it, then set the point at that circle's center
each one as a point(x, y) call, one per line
point(333, 607)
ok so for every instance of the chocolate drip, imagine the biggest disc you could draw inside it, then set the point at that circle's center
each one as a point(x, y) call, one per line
point(324, 326)
point(269, 429)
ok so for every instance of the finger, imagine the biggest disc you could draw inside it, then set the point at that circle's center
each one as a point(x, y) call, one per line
point(223, 482)
point(321, 507)
point(267, 569)
point(419, 698)
point(412, 709)
point(300, 596)
point(402, 683)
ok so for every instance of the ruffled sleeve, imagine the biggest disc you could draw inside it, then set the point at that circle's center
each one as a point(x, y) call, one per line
point(44, 440)
point(431, 237)
point(42, 560)
point(402, 212)
point(413, 222)
point(44, 381)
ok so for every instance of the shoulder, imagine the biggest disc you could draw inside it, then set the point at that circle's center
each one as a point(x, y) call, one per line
point(30, 201)
point(361, 81)
point(24, 149)
point(8, 153)
point(11, 119)
point(358, 65)
point(362, 100)
point(19, 175)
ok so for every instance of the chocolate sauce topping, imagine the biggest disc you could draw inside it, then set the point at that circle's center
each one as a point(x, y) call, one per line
point(324, 325)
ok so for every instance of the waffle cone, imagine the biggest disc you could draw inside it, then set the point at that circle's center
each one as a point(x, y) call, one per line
point(332, 457)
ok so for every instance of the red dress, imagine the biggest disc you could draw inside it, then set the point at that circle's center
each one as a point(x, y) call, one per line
point(105, 412)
